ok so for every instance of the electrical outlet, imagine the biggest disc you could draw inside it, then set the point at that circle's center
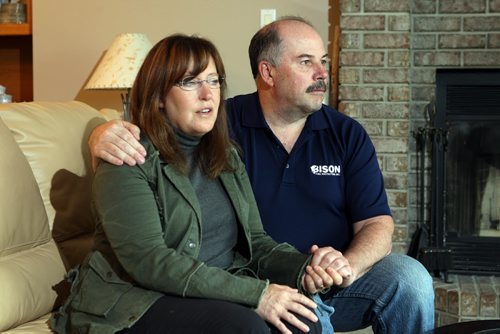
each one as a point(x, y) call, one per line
point(267, 16)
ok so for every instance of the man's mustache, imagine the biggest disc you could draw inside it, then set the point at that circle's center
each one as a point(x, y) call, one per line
point(318, 85)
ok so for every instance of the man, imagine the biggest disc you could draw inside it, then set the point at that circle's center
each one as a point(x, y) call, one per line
point(317, 182)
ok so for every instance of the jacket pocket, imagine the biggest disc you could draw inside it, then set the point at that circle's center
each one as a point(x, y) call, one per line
point(100, 287)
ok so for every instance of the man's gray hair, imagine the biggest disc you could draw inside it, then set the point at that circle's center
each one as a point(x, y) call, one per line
point(266, 43)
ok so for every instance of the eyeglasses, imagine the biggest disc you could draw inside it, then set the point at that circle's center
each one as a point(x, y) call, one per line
point(189, 83)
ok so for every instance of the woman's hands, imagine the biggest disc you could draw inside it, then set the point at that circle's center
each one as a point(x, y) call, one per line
point(281, 303)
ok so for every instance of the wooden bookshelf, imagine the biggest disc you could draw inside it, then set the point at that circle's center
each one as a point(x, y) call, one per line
point(16, 57)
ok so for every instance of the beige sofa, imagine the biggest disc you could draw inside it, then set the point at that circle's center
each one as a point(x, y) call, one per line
point(46, 224)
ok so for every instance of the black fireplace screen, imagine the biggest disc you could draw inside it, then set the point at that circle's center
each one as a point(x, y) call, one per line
point(472, 179)
point(462, 139)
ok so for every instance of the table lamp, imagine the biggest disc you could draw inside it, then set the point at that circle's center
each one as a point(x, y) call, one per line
point(119, 66)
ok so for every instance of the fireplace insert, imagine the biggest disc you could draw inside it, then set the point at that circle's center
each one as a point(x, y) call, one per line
point(463, 141)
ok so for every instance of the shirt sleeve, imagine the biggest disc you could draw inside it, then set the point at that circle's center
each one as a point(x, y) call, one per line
point(365, 192)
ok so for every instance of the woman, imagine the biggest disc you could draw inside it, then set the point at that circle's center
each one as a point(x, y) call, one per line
point(179, 246)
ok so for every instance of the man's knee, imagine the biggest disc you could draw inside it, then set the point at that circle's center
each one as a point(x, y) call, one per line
point(410, 279)
point(411, 272)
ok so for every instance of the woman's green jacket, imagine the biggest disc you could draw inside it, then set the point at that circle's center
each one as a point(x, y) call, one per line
point(147, 243)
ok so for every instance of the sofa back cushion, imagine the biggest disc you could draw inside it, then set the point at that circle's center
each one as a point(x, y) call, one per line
point(30, 264)
point(53, 136)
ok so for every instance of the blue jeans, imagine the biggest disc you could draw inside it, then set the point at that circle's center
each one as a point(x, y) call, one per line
point(395, 296)
point(324, 312)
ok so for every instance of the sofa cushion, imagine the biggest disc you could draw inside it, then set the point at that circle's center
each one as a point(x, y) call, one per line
point(29, 279)
point(37, 326)
point(23, 221)
point(53, 137)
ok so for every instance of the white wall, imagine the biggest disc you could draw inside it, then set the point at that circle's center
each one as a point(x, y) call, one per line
point(70, 36)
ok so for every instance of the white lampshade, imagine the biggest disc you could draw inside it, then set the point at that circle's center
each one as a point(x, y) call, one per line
point(119, 66)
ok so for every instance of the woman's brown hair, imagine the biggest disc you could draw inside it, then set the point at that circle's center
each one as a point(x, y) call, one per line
point(164, 66)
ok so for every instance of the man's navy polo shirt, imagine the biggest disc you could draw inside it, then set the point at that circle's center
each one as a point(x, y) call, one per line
point(313, 195)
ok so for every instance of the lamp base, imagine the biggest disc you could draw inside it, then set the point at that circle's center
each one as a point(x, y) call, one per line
point(126, 105)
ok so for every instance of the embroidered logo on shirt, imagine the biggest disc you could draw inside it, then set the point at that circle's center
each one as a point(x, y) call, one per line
point(333, 170)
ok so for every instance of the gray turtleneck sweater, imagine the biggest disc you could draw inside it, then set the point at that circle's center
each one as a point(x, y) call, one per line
point(218, 220)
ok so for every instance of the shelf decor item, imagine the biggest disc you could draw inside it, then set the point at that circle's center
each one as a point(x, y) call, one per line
point(13, 13)
point(4, 97)
point(119, 66)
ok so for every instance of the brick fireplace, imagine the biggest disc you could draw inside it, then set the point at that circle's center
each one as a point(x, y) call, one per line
point(389, 53)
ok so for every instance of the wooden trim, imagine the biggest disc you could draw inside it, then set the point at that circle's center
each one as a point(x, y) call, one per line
point(12, 29)
point(29, 15)
point(334, 38)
